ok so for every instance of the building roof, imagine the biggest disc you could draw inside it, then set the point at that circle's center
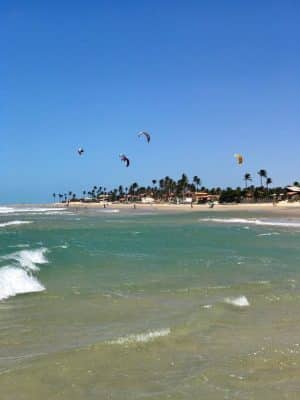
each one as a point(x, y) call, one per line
point(293, 189)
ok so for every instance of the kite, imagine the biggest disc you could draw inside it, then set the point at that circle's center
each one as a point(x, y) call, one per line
point(125, 159)
point(239, 158)
point(146, 134)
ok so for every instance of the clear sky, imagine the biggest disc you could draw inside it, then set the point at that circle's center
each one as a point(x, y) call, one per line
point(206, 78)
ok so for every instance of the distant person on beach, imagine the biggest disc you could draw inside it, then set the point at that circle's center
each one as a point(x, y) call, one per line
point(211, 204)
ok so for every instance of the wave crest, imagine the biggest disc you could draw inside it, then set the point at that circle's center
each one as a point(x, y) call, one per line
point(20, 276)
point(10, 223)
point(28, 259)
point(32, 210)
point(252, 222)
point(15, 281)
point(141, 337)
point(240, 301)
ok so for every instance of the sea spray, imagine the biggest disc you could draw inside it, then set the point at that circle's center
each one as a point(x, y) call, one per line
point(19, 277)
point(28, 259)
point(15, 280)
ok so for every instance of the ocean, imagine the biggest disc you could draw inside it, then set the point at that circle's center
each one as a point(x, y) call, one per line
point(134, 304)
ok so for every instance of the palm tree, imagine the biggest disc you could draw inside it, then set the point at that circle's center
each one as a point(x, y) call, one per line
point(54, 195)
point(167, 185)
point(263, 174)
point(197, 181)
point(133, 188)
point(268, 182)
point(114, 194)
point(161, 184)
point(247, 177)
point(182, 184)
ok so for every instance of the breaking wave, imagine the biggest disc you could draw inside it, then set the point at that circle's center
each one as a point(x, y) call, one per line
point(141, 337)
point(28, 259)
point(240, 301)
point(250, 221)
point(6, 210)
point(33, 210)
point(19, 277)
point(268, 234)
point(11, 223)
point(15, 280)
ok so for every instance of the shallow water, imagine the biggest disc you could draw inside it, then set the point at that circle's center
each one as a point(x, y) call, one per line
point(130, 305)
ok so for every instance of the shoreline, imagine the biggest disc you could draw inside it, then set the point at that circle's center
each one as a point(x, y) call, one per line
point(278, 209)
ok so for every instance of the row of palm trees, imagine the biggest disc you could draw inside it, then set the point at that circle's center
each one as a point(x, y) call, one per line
point(159, 189)
point(262, 174)
point(163, 188)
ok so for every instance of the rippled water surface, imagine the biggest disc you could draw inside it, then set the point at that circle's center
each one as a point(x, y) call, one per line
point(133, 305)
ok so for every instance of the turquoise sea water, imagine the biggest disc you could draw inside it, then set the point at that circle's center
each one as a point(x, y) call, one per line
point(102, 304)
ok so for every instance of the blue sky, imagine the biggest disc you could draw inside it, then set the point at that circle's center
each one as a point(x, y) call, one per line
point(206, 78)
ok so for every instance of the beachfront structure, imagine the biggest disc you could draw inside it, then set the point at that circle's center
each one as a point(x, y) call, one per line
point(203, 197)
point(293, 193)
point(187, 200)
point(147, 200)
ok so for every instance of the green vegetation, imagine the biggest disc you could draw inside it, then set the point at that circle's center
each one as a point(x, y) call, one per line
point(170, 190)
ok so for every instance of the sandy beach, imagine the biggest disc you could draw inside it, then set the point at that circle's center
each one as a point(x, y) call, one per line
point(280, 209)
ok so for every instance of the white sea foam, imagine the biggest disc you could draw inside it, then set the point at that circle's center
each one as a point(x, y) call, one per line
point(19, 245)
point(31, 210)
point(268, 234)
point(293, 224)
point(19, 277)
point(240, 301)
point(63, 246)
point(110, 211)
point(141, 337)
point(11, 223)
point(28, 259)
point(62, 212)
point(6, 210)
point(15, 281)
